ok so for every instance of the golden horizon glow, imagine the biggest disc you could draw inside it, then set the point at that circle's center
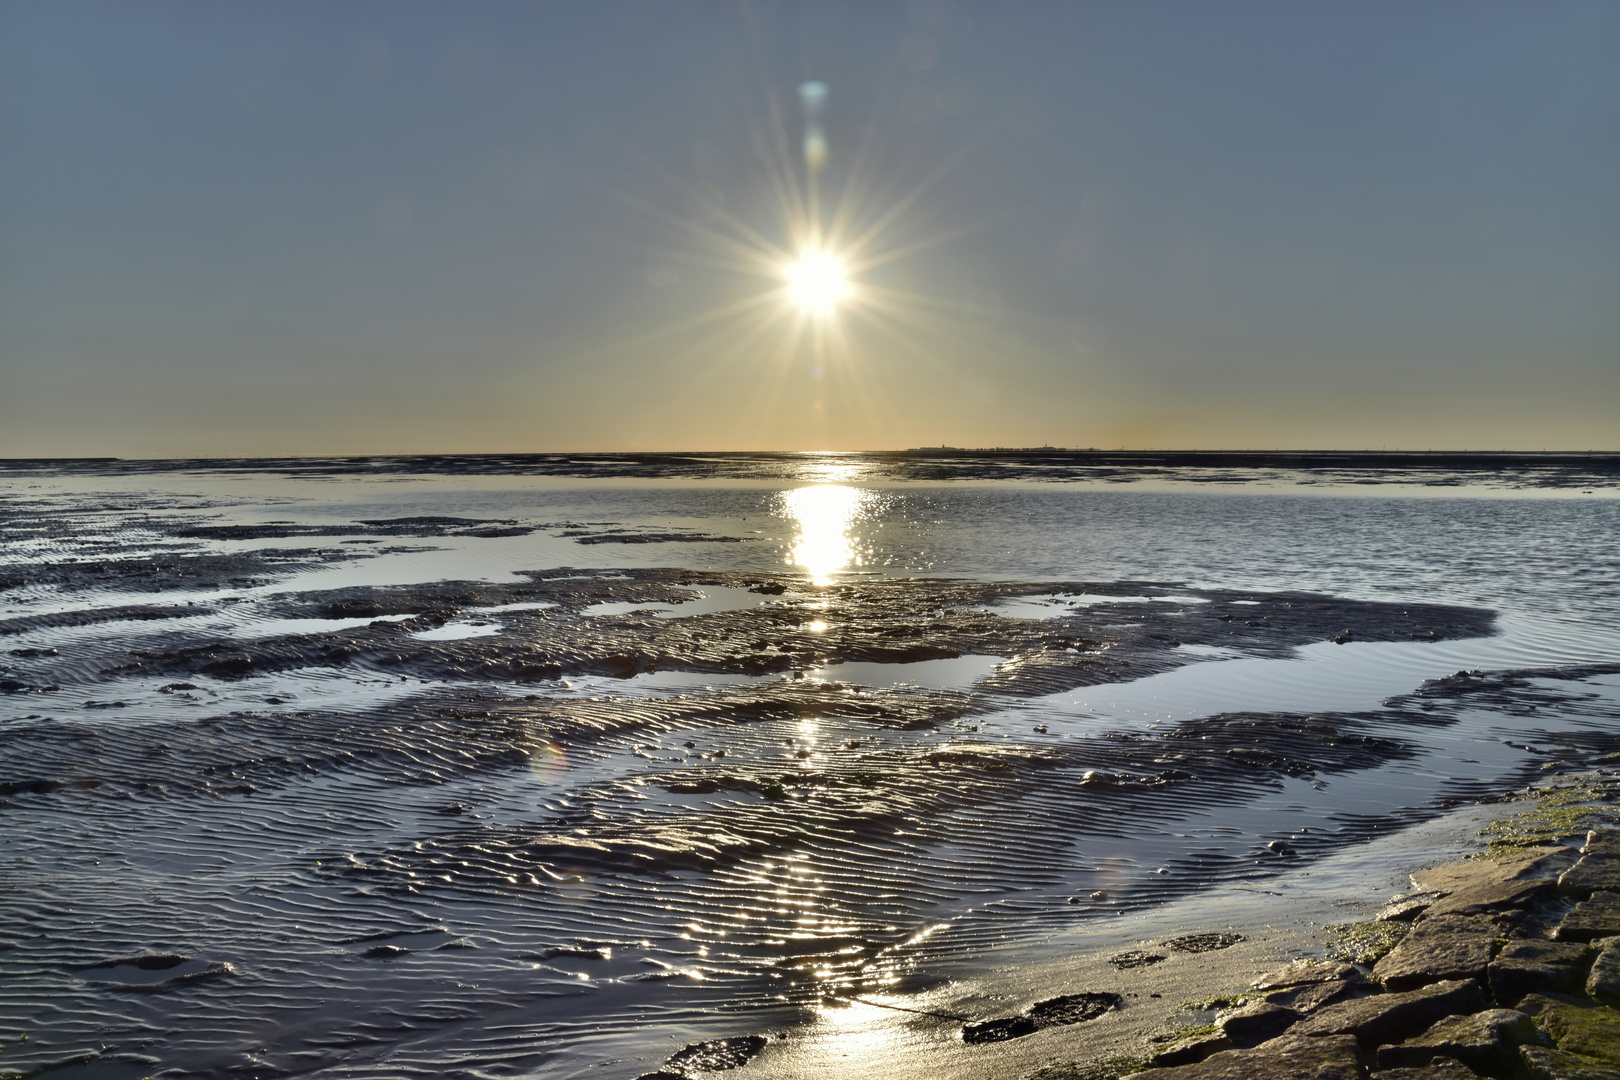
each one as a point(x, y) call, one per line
point(817, 280)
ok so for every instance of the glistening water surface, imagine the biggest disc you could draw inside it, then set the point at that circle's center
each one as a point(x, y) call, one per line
point(460, 772)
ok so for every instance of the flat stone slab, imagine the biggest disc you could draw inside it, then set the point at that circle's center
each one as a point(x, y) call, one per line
point(1438, 949)
point(1542, 1063)
point(1598, 916)
point(1286, 1058)
point(1603, 984)
point(1495, 898)
point(1192, 1051)
point(1308, 999)
point(1589, 1033)
point(1388, 1018)
point(1256, 1023)
point(1444, 1069)
point(1598, 868)
point(1405, 908)
point(1485, 1042)
point(1305, 973)
point(1533, 864)
point(1535, 966)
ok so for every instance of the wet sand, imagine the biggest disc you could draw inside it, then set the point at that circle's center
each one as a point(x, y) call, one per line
point(1277, 922)
point(568, 821)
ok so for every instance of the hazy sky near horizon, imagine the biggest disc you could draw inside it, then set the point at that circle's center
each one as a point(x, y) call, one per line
point(371, 227)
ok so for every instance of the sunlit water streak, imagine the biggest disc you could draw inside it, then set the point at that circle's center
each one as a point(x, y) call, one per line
point(827, 518)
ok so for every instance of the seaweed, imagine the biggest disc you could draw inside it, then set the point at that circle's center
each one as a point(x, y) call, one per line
point(1363, 942)
point(1108, 1068)
point(1561, 811)
point(1215, 1004)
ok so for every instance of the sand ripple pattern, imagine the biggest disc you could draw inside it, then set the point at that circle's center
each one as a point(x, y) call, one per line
point(252, 829)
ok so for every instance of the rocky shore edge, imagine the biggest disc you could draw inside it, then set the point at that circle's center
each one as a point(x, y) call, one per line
point(1510, 969)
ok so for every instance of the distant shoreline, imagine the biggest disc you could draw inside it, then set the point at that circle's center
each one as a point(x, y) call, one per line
point(1598, 463)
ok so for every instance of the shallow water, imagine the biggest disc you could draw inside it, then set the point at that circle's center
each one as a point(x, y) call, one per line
point(511, 774)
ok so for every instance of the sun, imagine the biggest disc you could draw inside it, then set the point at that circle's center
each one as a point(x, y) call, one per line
point(817, 281)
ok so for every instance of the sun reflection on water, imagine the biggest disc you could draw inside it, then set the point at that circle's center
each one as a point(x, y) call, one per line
point(825, 515)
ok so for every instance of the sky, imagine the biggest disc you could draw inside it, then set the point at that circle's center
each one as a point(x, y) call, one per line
point(409, 227)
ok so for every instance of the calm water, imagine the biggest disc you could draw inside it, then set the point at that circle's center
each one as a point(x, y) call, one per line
point(379, 899)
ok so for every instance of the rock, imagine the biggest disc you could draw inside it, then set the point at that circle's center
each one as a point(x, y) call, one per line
point(1192, 1051)
point(1544, 1064)
point(1440, 1069)
point(1308, 999)
point(1405, 908)
point(1590, 1032)
point(1286, 1058)
point(1306, 973)
point(1439, 949)
point(1256, 1023)
point(1603, 984)
point(1486, 1042)
point(1598, 868)
point(1533, 966)
point(1387, 1018)
point(1495, 898)
point(1531, 865)
point(1596, 917)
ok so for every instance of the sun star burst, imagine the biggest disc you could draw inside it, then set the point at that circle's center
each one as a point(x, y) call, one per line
point(817, 280)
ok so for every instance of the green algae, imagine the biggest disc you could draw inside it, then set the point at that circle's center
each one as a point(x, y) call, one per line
point(1589, 1032)
point(1108, 1068)
point(1560, 811)
point(1184, 1034)
point(1230, 1001)
point(1363, 943)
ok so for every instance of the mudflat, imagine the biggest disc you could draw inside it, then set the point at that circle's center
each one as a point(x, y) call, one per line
point(384, 772)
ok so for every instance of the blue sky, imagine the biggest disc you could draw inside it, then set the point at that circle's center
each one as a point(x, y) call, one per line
point(233, 228)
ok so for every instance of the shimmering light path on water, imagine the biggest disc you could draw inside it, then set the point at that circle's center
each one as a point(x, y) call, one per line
point(378, 835)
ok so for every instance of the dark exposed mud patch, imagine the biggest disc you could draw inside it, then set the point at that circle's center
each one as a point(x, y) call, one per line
point(717, 1054)
point(1136, 958)
point(799, 628)
point(165, 571)
point(1073, 1008)
point(1052, 1012)
point(1202, 943)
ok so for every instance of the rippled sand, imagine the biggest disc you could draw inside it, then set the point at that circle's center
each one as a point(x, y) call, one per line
point(282, 793)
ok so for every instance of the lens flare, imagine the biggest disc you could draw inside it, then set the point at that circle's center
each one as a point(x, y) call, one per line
point(817, 280)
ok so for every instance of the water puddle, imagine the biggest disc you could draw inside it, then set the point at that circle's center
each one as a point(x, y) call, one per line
point(1324, 676)
point(954, 673)
point(457, 631)
point(706, 600)
point(1055, 605)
